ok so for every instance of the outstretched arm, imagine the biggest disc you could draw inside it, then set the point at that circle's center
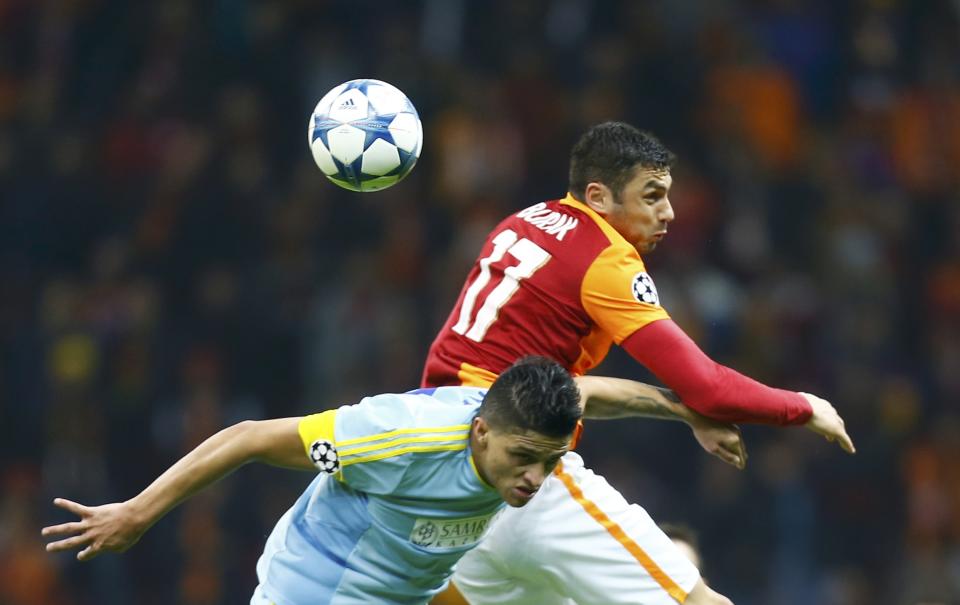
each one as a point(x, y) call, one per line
point(605, 397)
point(118, 526)
point(721, 393)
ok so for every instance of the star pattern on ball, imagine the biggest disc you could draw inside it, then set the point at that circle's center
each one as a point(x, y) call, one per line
point(324, 456)
point(365, 135)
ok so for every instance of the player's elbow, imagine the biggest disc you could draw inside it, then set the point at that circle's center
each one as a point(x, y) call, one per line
point(275, 441)
point(243, 429)
point(248, 438)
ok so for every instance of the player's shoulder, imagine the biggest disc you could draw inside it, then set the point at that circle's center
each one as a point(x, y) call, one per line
point(561, 226)
point(447, 396)
point(432, 407)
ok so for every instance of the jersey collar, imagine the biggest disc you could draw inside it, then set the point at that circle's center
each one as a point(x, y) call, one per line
point(607, 228)
point(476, 472)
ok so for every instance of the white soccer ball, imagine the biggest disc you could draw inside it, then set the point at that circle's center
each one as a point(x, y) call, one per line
point(365, 135)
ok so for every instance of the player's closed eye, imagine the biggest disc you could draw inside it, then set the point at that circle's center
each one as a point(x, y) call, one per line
point(523, 459)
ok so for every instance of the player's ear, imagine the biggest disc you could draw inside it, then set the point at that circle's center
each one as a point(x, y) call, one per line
point(481, 430)
point(598, 196)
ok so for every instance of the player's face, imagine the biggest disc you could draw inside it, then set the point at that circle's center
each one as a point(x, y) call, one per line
point(641, 211)
point(516, 463)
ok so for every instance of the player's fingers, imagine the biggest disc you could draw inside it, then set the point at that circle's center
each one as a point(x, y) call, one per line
point(741, 447)
point(732, 447)
point(846, 443)
point(63, 528)
point(88, 553)
point(74, 507)
point(727, 456)
point(741, 455)
point(68, 543)
point(736, 446)
point(739, 462)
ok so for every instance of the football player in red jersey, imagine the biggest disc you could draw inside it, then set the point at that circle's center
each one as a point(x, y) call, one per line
point(565, 279)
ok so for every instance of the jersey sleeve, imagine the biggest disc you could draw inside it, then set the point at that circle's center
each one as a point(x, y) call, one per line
point(618, 293)
point(711, 389)
point(368, 445)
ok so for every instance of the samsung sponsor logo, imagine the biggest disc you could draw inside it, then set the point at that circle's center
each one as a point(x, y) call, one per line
point(449, 533)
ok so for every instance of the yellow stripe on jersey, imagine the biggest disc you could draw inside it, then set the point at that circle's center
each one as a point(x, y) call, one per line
point(395, 442)
point(456, 428)
point(476, 472)
point(405, 450)
point(381, 445)
point(440, 440)
point(317, 426)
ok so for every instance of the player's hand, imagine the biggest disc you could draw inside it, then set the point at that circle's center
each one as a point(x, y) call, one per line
point(110, 527)
point(721, 439)
point(827, 422)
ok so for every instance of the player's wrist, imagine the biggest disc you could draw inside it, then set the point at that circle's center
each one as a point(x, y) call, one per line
point(692, 418)
point(816, 408)
point(136, 514)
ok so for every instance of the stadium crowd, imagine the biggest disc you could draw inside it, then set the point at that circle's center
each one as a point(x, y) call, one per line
point(172, 261)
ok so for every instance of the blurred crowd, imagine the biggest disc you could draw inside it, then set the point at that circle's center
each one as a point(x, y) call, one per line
point(172, 261)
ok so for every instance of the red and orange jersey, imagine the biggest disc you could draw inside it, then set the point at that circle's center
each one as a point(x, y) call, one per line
point(554, 279)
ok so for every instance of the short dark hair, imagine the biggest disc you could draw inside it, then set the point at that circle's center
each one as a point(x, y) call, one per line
point(534, 394)
point(608, 153)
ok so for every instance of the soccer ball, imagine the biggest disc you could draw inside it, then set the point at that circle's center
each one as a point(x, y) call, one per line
point(365, 135)
point(324, 456)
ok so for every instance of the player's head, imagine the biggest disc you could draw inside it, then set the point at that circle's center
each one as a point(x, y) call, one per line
point(686, 540)
point(624, 174)
point(524, 425)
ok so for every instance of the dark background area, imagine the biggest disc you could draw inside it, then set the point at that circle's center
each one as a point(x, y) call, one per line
point(171, 261)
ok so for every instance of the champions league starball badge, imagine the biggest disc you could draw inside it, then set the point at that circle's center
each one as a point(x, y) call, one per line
point(644, 290)
point(324, 456)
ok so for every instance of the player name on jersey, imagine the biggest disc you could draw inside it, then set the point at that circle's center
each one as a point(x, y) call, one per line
point(550, 221)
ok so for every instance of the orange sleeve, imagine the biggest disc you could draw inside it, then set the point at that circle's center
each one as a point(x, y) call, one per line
point(619, 294)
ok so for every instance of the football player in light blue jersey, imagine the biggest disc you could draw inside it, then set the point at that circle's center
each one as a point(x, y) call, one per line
point(408, 482)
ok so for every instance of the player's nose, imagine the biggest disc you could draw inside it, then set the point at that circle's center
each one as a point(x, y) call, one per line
point(535, 476)
point(666, 211)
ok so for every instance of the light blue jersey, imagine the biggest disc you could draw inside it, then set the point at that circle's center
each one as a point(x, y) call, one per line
point(403, 504)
